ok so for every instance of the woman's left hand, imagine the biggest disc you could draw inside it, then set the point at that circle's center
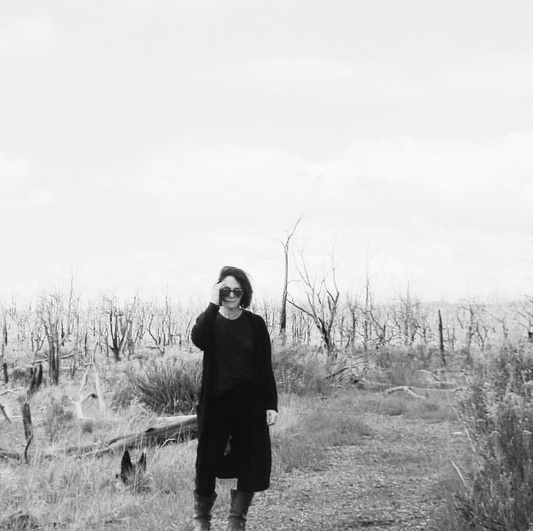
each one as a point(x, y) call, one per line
point(271, 415)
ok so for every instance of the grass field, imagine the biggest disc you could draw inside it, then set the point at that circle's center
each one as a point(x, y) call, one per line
point(82, 492)
point(418, 460)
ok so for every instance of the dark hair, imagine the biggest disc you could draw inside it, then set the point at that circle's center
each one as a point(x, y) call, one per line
point(242, 278)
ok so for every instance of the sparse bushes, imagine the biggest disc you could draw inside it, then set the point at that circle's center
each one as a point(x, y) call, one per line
point(337, 422)
point(123, 394)
point(57, 415)
point(402, 366)
point(497, 413)
point(167, 386)
point(299, 372)
point(308, 426)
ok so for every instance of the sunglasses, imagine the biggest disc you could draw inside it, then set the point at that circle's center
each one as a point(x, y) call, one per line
point(225, 292)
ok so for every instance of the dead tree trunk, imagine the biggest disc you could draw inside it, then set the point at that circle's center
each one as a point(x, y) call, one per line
point(26, 420)
point(441, 340)
point(283, 313)
point(53, 354)
point(36, 379)
point(28, 428)
point(3, 341)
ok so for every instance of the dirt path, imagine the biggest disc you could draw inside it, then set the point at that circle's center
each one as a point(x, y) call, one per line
point(394, 479)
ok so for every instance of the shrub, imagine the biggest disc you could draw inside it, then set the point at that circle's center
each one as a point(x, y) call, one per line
point(497, 413)
point(399, 366)
point(297, 371)
point(167, 386)
point(124, 393)
point(56, 416)
point(405, 365)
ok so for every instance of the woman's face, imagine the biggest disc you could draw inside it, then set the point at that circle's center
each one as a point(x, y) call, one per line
point(230, 301)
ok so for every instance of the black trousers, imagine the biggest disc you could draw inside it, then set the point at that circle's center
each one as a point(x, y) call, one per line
point(227, 440)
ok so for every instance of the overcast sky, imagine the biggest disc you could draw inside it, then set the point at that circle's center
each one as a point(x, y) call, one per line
point(146, 143)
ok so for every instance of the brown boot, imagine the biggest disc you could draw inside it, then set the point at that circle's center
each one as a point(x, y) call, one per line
point(202, 512)
point(240, 503)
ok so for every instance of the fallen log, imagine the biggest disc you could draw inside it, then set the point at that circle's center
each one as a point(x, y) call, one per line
point(13, 391)
point(185, 429)
point(8, 454)
point(342, 370)
point(180, 430)
point(407, 390)
point(371, 385)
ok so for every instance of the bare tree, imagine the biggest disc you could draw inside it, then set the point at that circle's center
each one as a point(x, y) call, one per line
point(321, 302)
point(380, 326)
point(301, 326)
point(120, 321)
point(283, 311)
point(502, 322)
point(406, 315)
point(470, 322)
point(51, 312)
point(441, 339)
point(37, 334)
point(368, 323)
point(524, 309)
point(351, 322)
point(185, 319)
point(368, 309)
point(268, 309)
point(168, 324)
point(137, 327)
point(157, 328)
point(4, 337)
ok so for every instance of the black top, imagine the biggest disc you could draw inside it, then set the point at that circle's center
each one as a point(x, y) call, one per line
point(233, 362)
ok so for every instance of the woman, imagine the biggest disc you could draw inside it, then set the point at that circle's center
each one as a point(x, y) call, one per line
point(238, 400)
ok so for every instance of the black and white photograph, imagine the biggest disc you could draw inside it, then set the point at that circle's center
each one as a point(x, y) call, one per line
point(266, 265)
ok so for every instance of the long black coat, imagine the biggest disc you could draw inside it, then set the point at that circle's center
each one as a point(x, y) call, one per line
point(265, 395)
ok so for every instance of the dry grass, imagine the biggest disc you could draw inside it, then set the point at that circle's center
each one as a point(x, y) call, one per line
point(75, 493)
point(83, 492)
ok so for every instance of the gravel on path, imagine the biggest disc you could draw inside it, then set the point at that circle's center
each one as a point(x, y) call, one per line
point(394, 480)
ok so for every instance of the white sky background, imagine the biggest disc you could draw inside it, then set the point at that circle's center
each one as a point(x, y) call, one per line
point(146, 143)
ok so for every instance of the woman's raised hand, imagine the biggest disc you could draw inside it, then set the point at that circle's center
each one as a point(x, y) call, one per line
point(215, 294)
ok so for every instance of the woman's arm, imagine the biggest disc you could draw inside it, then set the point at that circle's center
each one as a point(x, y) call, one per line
point(271, 392)
point(202, 331)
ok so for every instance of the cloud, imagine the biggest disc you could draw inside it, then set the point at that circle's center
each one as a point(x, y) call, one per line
point(290, 69)
point(494, 73)
point(28, 37)
point(454, 214)
point(487, 75)
point(198, 7)
point(11, 170)
point(405, 171)
point(483, 75)
point(296, 73)
point(210, 179)
point(17, 190)
point(446, 209)
point(501, 75)
point(451, 182)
